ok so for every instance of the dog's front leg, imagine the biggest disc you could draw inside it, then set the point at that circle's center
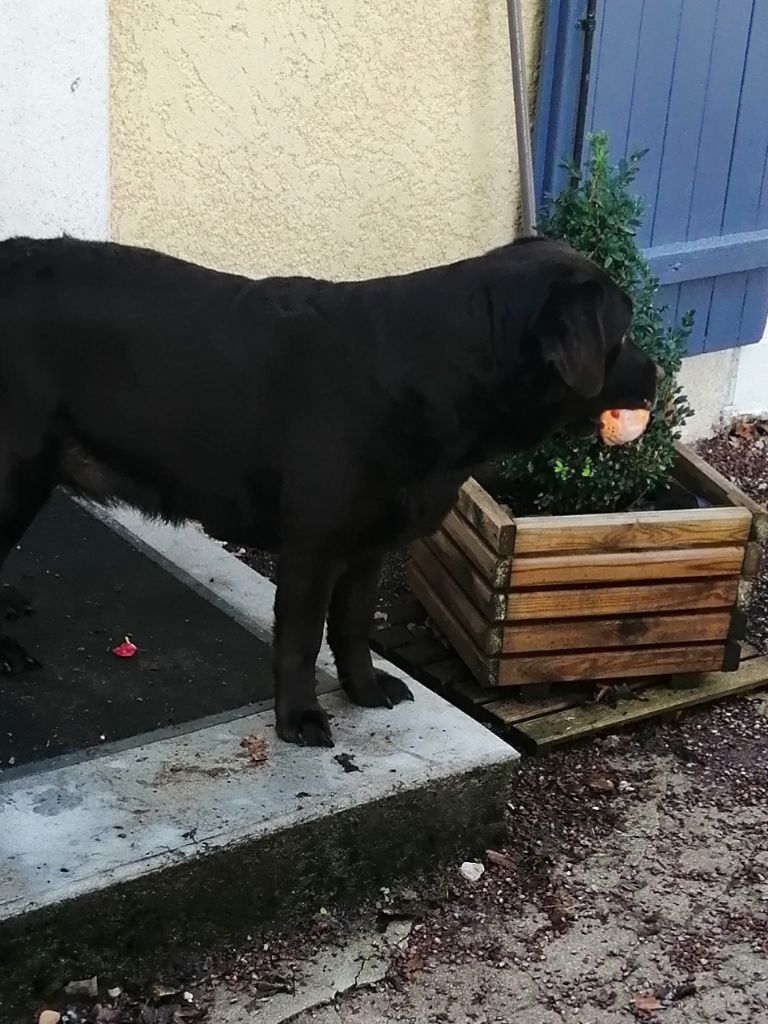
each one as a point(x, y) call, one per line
point(304, 585)
point(349, 622)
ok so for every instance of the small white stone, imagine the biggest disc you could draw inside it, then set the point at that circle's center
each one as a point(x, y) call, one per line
point(49, 1017)
point(472, 871)
point(87, 987)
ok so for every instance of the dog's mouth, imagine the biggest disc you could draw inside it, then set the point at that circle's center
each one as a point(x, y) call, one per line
point(622, 426)
point(615, 426)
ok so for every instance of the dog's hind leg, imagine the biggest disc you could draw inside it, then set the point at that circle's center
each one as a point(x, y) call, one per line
point(349, 622)
point(304, 584)
point(25, 484)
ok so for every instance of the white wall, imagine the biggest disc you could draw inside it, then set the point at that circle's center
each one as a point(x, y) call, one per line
point(750, 392)
point(721, 385)
point(54, 118)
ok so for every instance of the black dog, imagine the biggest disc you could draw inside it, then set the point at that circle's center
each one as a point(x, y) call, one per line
point(327, 421)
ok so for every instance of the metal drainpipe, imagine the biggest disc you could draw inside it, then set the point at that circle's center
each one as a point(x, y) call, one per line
point(522, 122)
point(587, 25)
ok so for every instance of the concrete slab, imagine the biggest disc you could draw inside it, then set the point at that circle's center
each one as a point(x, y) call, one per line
point(179, 842)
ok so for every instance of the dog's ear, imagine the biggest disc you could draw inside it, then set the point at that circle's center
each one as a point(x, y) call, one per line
point(571, 334)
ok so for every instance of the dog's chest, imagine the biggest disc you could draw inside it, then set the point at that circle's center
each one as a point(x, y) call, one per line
point(426, 503)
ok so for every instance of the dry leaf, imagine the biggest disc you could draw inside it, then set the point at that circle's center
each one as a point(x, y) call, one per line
point(501, 860)
point(600, 785)
point(413, 963)
point(160, 991)
point(745, 430)
point(559, 917)
point(255, 748)
point(646, 1002)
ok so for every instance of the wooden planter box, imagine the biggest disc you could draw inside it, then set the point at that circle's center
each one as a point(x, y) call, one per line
point(584, 597)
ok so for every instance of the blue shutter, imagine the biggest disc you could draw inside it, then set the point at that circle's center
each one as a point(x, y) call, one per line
point(687, 80)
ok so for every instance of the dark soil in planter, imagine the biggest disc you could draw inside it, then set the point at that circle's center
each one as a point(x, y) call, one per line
point(740, 453)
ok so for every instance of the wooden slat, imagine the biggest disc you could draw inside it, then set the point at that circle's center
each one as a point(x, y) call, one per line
point(589, 665)
point(469, 693)
point(479, 609)
point(731, 656)
point(565, 726)
point(609, 600)
point(753, 556)
point(749, 651)
point(625, 631)
point(491, 566)
point(737, 629)
point(451, 671)
point(518, 710)
point(475, 620)
point(455, 562)
point(631, 531)
point(488, 518)
point(442, 614)
point(701, 478)
point(625, 566)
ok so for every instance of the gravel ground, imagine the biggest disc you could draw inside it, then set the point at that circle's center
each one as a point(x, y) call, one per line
point(634, 874)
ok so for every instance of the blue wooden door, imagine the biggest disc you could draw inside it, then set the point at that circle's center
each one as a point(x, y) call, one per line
point(688, 81)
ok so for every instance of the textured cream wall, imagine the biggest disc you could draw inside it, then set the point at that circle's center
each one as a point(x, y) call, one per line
point(342, 138)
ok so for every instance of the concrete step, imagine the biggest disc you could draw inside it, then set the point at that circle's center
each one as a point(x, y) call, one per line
point(147, 848)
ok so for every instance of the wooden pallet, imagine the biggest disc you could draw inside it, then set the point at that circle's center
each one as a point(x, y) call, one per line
point(537, 720)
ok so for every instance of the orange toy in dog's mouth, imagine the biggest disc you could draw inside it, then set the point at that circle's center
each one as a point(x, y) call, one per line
point(620, 426)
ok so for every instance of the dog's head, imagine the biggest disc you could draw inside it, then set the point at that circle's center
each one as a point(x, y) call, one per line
point(575, 349)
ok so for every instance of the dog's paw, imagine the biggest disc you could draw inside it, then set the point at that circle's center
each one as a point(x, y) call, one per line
point(308, 727)
point(382, 691)
point(13, 604)
point(14, 659)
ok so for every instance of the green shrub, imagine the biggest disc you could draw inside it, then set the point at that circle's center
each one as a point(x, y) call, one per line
point(598, 214)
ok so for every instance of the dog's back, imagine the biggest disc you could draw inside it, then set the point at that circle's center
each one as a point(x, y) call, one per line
point(126, 374)
point(132, 375)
